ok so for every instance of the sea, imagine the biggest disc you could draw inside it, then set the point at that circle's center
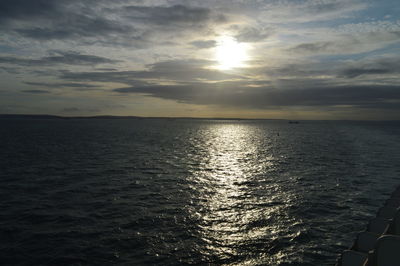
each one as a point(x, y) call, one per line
point(190, 191)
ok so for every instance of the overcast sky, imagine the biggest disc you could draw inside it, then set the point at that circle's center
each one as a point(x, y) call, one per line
point(305, 59)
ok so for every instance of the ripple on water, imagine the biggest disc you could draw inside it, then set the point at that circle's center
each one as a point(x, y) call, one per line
point(170, 192)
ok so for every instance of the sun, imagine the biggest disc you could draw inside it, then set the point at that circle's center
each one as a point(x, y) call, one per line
point(230, 53)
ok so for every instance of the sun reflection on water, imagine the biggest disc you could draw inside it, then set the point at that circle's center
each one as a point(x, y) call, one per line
point(235, 202)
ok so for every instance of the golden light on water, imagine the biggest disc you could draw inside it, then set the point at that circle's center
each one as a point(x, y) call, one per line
point(230, 53)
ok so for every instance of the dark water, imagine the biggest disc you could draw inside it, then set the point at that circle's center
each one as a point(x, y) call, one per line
point(168, 192)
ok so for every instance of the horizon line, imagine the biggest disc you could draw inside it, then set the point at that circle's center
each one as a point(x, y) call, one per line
point(49, 116)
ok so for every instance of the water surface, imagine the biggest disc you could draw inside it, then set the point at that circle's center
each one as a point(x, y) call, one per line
point(168, 192)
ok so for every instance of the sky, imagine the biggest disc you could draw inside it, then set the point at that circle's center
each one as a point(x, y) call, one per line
point(298, 59)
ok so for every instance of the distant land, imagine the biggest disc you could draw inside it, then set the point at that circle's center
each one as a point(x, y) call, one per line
point(34, 116)
point(44, 116)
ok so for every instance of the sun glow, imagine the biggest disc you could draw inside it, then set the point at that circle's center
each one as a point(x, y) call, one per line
point(230, 53)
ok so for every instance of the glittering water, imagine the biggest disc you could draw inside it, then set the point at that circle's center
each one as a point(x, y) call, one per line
point(167, 192)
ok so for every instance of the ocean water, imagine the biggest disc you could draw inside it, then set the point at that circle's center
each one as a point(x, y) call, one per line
point(179, 192)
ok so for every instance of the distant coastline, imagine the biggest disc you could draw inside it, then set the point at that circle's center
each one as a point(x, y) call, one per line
point(45, 116)
point(37, 116)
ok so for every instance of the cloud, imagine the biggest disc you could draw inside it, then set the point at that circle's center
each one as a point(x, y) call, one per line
point(36, 91)
point(355, 72)
point(45, 33)
point(71, 110)
point(73, 58)
point(303, 84)
point(10, 70)
point(370, 26)
point(58, 20)
point(299, 70)
point(75, 27)
point(173, 70)
point(306, 11)
point(204, 44)
point(253, 34)
point(77, 110)
point(318, 7)
point(177, 15)
point(380, 66)
point(67, 58)
point(304, 53)
point(26, 9)
point(272, 97)
point(55, 85)
point(313, 47)
point(347, 43)
point(103, 23)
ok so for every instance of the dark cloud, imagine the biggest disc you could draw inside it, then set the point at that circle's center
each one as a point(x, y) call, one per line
point(36, 91)
point(73, 58)
point(58, 20)
point(49, 10)
point(355, 72)
point(68, 58)
point(175, 70)
point(57, 85)
point(368, 40)
point(106, 69)
point(375, 67)
point(318, 7)
point(380, 67)
point(71, 109)
point(79, 110)
point(45, 33)
point(198, 85)
point(75, 26)
point(297, 70)
point(172, 15)
point(98, 22)
point(26, 9)
point(271, 97)
point(18, 61)
point(10, 70)
point(312, 47)
point(189, 69)
point(204, 44)
point(252, 34)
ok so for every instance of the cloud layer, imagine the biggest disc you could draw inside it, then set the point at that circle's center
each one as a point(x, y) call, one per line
point(328, 56)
